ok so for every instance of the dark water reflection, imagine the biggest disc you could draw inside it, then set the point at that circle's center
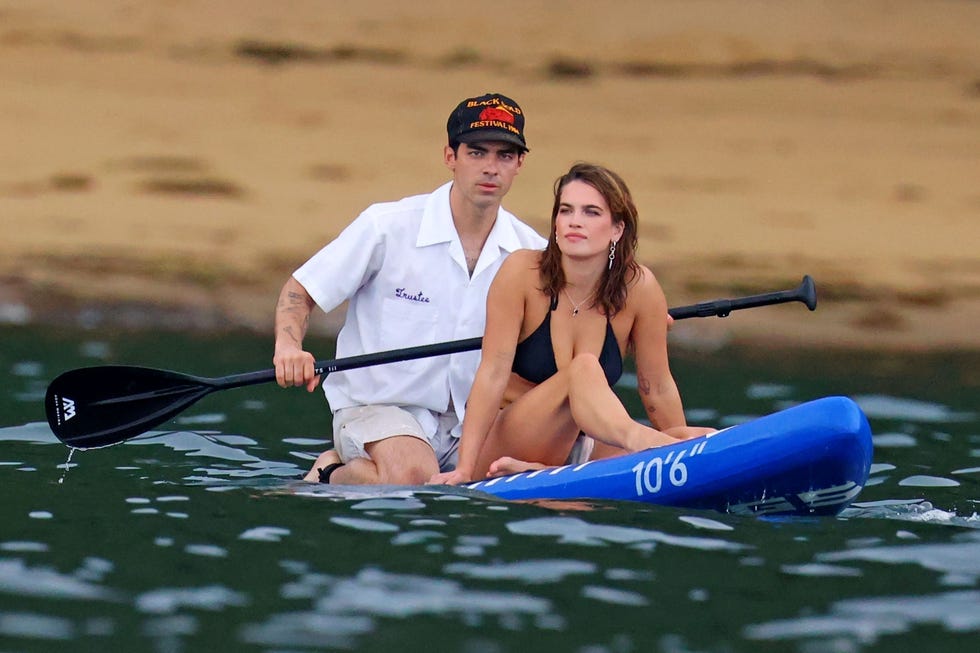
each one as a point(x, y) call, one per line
point(198, 537)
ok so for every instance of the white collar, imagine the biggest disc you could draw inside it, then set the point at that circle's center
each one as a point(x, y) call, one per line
point(437, 224)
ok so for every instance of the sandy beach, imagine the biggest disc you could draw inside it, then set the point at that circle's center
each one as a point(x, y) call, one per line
point(171, 163)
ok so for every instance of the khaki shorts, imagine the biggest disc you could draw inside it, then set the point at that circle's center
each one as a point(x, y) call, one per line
point(358, 426)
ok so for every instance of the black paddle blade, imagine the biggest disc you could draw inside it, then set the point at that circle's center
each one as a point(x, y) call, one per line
point(98, 406)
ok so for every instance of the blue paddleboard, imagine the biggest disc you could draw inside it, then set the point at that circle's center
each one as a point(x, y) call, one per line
point(811, 459)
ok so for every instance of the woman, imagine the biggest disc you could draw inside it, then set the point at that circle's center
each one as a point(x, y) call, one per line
point(558, 325)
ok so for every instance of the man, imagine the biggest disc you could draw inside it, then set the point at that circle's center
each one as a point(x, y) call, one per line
point(415, 272)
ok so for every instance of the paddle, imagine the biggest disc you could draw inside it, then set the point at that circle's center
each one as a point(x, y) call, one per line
point(100, 406)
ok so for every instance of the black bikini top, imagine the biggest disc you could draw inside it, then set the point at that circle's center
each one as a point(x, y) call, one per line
point(534, 357)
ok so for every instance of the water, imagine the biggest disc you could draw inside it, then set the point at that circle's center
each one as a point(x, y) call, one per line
point(197, 538)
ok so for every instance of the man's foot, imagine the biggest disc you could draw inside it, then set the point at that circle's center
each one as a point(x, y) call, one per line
point(506, 465)
point(330, 457)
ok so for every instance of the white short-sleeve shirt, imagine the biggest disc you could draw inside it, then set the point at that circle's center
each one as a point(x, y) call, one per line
point(402, 268)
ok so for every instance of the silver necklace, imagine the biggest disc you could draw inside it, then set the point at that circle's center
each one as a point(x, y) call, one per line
point(572, 301)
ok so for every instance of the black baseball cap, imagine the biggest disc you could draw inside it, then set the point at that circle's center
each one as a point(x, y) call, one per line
point(490, 117)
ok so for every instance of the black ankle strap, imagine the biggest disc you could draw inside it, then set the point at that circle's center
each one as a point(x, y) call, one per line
point(326, 471)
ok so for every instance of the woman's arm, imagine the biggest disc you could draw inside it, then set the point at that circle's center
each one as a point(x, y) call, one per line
point(505, 315)
point(655, 383)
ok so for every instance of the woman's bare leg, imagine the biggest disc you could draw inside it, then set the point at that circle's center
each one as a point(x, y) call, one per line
point(505, 466)
point(537, 427)
point(689, 432)
point(598, 411)
point(602, 450)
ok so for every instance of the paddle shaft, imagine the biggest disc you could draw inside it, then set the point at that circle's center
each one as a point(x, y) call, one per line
point(104, 405)
point(805, 292)
point(325, 367)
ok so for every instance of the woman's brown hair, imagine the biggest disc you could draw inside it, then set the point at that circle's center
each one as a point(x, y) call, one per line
point(611, 294)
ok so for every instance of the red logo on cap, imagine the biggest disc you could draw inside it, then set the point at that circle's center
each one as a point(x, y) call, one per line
point(497, 113)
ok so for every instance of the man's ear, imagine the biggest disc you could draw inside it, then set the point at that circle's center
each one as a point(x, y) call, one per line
point(449, 157)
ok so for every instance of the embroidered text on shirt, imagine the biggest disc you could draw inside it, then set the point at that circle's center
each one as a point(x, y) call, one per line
point(417, 297)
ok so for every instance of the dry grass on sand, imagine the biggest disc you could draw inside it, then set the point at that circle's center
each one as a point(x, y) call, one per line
point(175, 161)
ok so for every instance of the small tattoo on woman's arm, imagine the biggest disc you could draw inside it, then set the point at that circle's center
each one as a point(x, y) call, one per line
point(643, 384)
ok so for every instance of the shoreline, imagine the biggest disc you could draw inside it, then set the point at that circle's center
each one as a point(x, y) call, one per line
point(885, 324)
point(163, 170)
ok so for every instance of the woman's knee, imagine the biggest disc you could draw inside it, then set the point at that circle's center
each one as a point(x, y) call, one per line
point(584, 363)
point(583, 371)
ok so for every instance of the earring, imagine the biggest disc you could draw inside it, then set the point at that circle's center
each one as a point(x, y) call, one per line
point(612, 253)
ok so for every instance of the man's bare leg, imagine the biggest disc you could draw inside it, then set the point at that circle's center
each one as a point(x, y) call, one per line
point(398, 460)
point(329, 457)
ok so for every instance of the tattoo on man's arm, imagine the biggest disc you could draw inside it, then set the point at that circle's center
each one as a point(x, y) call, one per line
point(288, 330)
point(292, 299)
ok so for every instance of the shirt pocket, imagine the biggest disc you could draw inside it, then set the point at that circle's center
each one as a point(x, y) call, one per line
point(407, 323)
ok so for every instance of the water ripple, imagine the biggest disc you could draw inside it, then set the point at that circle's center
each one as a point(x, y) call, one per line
point(820, 570)
point(198, 444)
point(958, 561)
point(911, 510)
point(380, 593)
point(571, 530)
point(24, 547)
point(614, 596)
point(526, 571)
point(307, 630)
point(37, 432)
point(265, 534)
point(406, 503)
point(30, 625)
point(19, 579)
point(885, 407)
point(865, 620)
point(170, 600)
point(369, 525)
point(924, 480)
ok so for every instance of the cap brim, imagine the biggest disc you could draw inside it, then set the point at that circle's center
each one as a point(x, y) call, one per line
point(493, 136)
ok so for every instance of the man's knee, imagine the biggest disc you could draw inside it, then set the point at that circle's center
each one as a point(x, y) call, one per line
point(406, 474)
point(403, 460)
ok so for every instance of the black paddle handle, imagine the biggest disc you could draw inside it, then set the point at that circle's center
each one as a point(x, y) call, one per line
point(805, 292)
